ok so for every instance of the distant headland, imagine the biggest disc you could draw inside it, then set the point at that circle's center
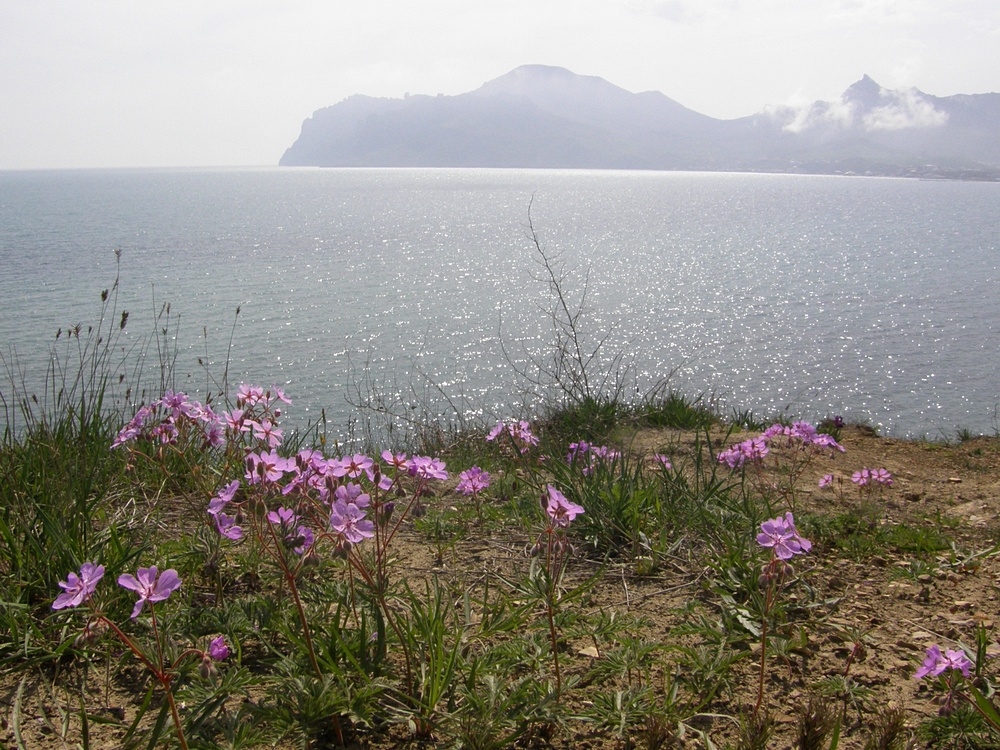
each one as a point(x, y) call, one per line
point(547, 117)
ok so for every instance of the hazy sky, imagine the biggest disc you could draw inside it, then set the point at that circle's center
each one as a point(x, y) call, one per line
point(117, 83)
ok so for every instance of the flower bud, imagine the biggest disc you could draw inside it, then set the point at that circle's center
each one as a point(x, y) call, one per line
point(385, 513)
point(535, 550)
point(92, 633)
point(207, 668)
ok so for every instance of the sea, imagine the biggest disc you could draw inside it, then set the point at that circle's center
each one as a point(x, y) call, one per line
point(425, 291)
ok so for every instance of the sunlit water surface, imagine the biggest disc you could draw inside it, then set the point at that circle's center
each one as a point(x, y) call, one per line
point(876, 299)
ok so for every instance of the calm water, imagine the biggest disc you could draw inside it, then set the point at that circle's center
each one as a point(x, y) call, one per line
point(872, 298)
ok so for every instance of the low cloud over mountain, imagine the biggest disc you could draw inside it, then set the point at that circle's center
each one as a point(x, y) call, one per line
point(539, 116)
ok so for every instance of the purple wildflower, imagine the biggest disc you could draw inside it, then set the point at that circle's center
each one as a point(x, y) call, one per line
point(227, 527)
point(218, 650)
point(752, 451)
point(266, 467)
point(78, 588)
point(283, 517)
point(935, 663)
point(148, 587)
point(267, 432)
point(397, 461)
point(348, 521)
point(427, 468)
point(560, 510)
point(473, 481)
point(780, 535)
point(352, 493)
point(225, 496)
point(520, 432)
point(661, 460)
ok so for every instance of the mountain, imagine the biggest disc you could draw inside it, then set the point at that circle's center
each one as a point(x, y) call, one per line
point(540, 116)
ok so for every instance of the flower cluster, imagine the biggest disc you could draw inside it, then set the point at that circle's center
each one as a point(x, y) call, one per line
point(797, 436)
point(661, 460)
point(749, 451)
point(591, 456)
point(165, 419)
point(520, 432)
point(868, 476)
point(782, 538)
point(800, 435)
point(146, 583)
point(936, 663)
point(309, 474)
point(473, 481)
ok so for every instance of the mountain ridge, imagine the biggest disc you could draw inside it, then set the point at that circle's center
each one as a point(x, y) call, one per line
point(549, 117)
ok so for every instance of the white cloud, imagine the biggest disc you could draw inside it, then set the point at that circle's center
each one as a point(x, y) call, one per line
point(908, 109)
point(839, 114)
point(902, 109)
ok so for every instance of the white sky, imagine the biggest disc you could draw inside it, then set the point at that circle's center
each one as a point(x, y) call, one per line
point(120, 83)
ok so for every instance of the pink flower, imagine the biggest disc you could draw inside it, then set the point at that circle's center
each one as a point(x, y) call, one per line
point(236, 420)
point(279, 394)
point(352, 493)
point(225, 496)
point(348, 522)
point(752, 451)
point(826, 481)
point(520, 432)
point(78, 588)
point(264, 430)
point(249, 395)
point(560, 510)
point(780, 535)
point(398, 461)
point(935, 664)
point(577, 450)
point(149, 589)
point(267, 467)
point(663, 461)
point(218, 650)
point(226, 526)
point(427, 468)
point(283, 517)
point(473, 481)
point(881, 476)
point(349, 466)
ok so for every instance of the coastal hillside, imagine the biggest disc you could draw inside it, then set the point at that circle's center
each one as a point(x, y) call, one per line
point(547, 117)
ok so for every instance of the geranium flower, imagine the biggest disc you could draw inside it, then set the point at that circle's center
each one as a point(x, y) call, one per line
point(218, 650)
point(427, 467)
point(781, 536)
point(226, 526)
point(473, 481)
point(560, 510)
point(78, 588)
point(348, 521)
point(150, 588)
point(935, 663)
